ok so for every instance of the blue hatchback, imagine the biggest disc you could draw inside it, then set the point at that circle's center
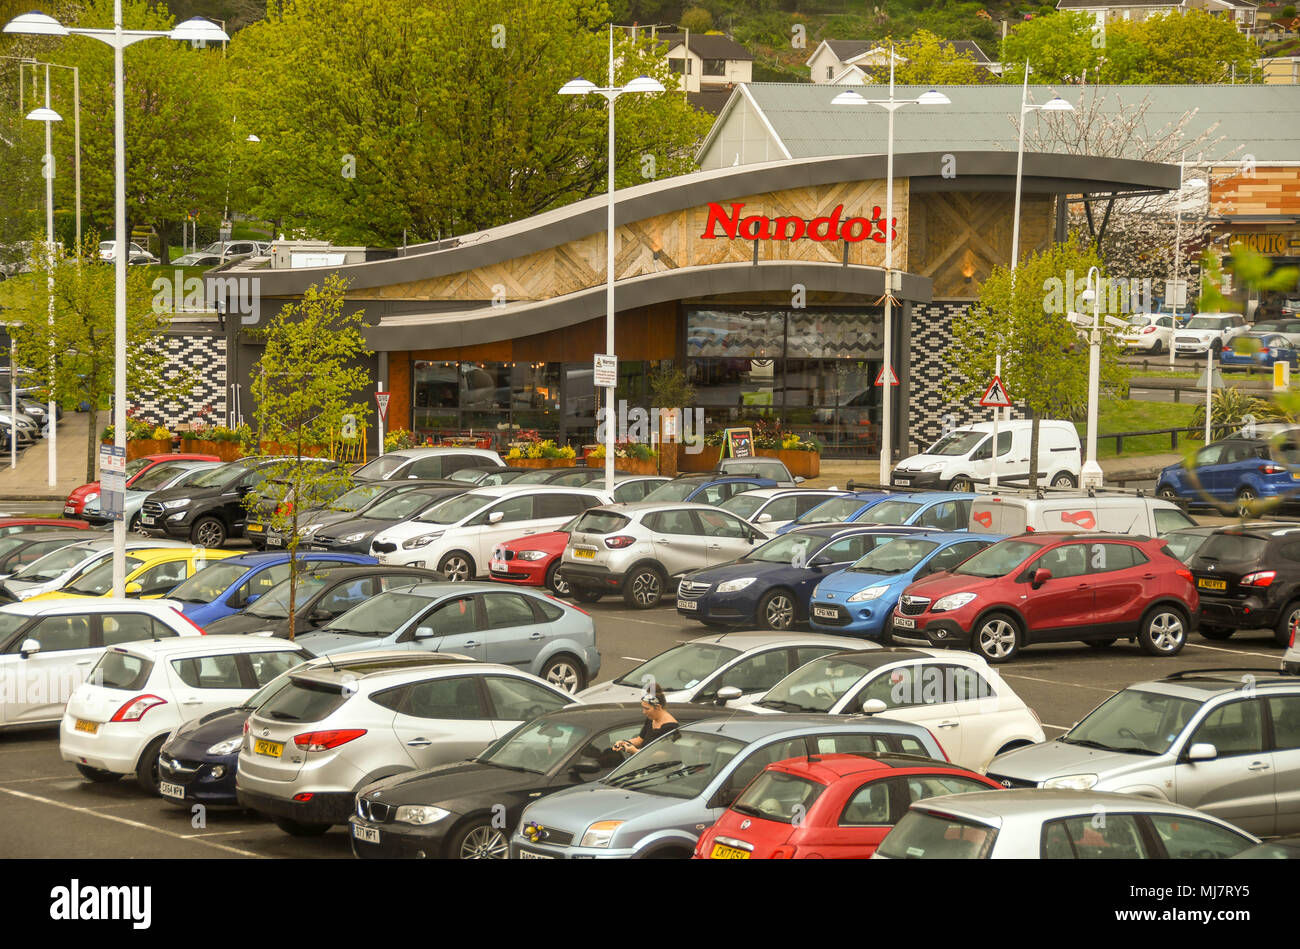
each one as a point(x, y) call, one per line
point(1259, 349)
point(942, 510)
point(706, 488)
point(841, 510)
point(1234, 470)
point(227, 586)
point(769, 587)
point(860, 599)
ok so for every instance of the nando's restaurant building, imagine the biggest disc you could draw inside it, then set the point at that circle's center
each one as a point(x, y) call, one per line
point(763, 282)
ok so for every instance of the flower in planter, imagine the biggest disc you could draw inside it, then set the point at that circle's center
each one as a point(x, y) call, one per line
point(160, 434)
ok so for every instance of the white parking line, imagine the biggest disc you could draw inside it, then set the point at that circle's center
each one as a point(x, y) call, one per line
point(650, 622)
point(1239, 652)
point(129, 823)
point(1077, 685)
point(48, 777)
point(1059, 728)
point(632, 658)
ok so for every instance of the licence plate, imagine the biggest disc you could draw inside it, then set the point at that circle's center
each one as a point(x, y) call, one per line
point(498, 566)
point(273, 540)
point(69, 509)
point(721, 852)
point(272, 748)
point(580, 554)
point(255, 528)
point(369, 834)
point(88, 727)
point(171, 790)
point(825, 613)
point(904, 622)
point(529, 855)
point(146, 519)
point(687, 605)
point(905, 482)
point(1207, 584)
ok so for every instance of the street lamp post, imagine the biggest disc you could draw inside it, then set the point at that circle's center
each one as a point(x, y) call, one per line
point(49, 117)
point(76, 123)
point(891, 105)
point(1178, 240)
point(196, 28)
point(581, 87)
point(1091, 475)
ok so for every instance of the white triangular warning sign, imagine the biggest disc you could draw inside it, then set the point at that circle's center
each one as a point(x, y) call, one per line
point(995, 396)
point(880, 377)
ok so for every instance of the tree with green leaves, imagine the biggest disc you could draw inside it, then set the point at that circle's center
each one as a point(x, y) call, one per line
point(305, 388)
point(926, 59)
point(1193, 48)
point(1024, 317)
point(1059, 49)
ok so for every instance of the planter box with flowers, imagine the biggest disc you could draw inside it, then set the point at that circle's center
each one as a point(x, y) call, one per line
point(802, 455)
point(632, 457)
point(141, 439)
point(536, 453)
point(226, 443)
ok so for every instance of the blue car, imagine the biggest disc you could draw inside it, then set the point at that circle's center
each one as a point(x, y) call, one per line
point(1260, 350)
point(227, 586)
point(769, 587)
point(706, 488)
point(841, 510)
point(860, 599)
point(942, 510)
point(1234, 470)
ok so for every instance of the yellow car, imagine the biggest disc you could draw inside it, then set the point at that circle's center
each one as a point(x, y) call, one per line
point(150, 573)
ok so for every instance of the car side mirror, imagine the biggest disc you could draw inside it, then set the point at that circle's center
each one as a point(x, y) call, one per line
point(316, 617)
point(1202, 751)
point(799, 479)
point(252, 598)
point(133, 589)
point(821, 560)
point(589, 767)
point(1039, 577)
point(30, 647)
point(873, 707)
point(726, 694)
point(763, 518)
point(424, 632)
point(496, 517)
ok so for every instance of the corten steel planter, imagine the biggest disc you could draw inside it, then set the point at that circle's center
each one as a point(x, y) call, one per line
point(541, 462)
point(139, 447)
point(705, 460)
point(804, 464)
point(641, 466)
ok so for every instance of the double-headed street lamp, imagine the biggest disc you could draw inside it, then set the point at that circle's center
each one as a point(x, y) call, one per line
point(49, 117)
point(1055, 104)
point(891, 105)
point(195, 29)
point(581, 87)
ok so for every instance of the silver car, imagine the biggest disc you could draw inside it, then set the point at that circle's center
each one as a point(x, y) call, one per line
point(1058, 825)
point(642, 550)
point(60, 567)
point(657, 803)
point(772, 508)
point(436, 462)
point(329, 733)
point(1224, 742)
point(168, 474)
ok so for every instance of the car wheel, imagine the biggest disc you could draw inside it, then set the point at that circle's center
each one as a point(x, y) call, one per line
point(208, 532)
point(564, 672)
point(135, 527)
point(479, 840)
point(587, 596)
point(1166, 493)
point(1289, 618)
point(1245, 498)
point(146, 771)
point(299, 829)
point(556, 583)
point(457, 566)
point(96, 775)
point(1164, 632)
point(1063, 480)
point(1157, 348)
point(961, 483)
point(996, 637)
point(776, 610)
point(1216, 633)
point(644, 588)
point(1101, 643)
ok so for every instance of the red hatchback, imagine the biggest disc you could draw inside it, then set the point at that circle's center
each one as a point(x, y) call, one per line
point(829, 806)
point(75, 503)
point(1054, 587)
point(531, 561)
point(13, 525)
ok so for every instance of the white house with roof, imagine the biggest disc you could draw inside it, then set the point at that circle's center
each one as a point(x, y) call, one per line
point(846, 62)
point(705, 61)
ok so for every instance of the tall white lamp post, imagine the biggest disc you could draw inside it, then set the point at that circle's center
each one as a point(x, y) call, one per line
point(195, 29)
point(1055, 104)
point(581, 87)
point(49, 116)
point(1178, 287)
point(891, 105)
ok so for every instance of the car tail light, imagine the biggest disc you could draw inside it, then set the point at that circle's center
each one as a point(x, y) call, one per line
point(1295, 621)
point(134, 709)
point(1260, 578)
point(619, 541)
point(285, 509)
point(325, 740)
point(1148, 329)
point(783, 852)
point(190, 621)
point(1185, 574)
point(1029, 530)
point(302, 797)
point(245, 726)
point(1271, 469)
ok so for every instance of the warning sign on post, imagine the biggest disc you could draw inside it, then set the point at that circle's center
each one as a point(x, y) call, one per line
point(996, 396)
point(381, 400)
point(880, 376)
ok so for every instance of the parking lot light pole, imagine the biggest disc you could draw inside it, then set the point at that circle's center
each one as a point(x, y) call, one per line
point(1055, 104)
point(891, 105)
point(581, 87)
point(194, 29)
point(1178, 240)
point(49, 117)
point(1091, 476)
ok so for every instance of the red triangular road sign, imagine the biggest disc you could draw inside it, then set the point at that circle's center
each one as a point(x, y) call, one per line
point(995, 396)
point(893, 377)
point(381, 400)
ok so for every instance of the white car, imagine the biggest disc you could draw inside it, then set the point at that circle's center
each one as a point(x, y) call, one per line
point(435, 462)
point(116, 723)
point(457, 536)
point(968, 707)
point(60, 567)
point(47, 649)
point(773, 508)
point(137, 254)
point(1149, 333)
point(1208, 331)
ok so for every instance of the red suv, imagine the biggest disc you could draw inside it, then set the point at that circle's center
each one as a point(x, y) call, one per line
point(1054, 587)
point(829, 806)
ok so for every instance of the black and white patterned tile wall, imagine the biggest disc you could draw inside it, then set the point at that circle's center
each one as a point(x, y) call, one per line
point(205, 355)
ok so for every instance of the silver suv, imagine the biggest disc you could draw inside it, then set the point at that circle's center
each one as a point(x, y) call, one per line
point(643, 549)
point(1225, 741)
point(329, 733)
point(435, 462)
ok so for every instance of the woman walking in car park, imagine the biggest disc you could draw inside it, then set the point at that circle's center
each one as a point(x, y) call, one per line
point(658, 721)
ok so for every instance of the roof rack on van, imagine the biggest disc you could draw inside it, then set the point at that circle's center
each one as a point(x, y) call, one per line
point(1018, 486)
point(1254, 673)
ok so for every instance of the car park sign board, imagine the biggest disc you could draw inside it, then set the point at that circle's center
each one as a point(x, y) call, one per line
point(112, 474)
point(996, 396)
point(740, 443)
point(605, 372)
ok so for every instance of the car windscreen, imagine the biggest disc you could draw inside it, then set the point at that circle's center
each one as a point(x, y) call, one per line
point(1185, 546)
point(1227, 548)
point(378, 616)
point(356, 498)
point(681, 667)
point(892, 512)
point(815, 687)
point(743, 505)
point(381, 467)
point(220, 477)
point(1134, 721)
point(400, 506)
point(535, 746)
point(956, 443)
point(157, 476)
point(600, 522)
point(778, 796)
point(454, 509)
point(680, 764)
point(922, 835)
point(897, 556)
point(674, 490)
point(836, 509)
point(1206, 323)
point(121, 670)
point(209, 583)
point(998, 560)
point(274, 603)
point(54, 564)
point(98, 581)
point(304, 700)
point(794, 549)
point(133, 468)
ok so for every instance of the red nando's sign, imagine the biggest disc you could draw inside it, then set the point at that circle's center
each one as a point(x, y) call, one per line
point(832, 227)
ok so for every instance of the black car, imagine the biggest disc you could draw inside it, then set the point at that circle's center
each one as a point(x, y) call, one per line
point(210, 509)
point(1249, 578)
point(274, 496)
point(574, 477)
point(354, 503)
point(486, 476)
point(321, 595)
point(481, 799)
point(356, 533)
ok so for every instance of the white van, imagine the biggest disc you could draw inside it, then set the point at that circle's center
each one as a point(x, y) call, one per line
point(964, 456)
point(1013, 514)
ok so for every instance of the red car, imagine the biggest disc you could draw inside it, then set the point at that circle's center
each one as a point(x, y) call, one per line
point(531, 561)
point(829, 806)
point(13, 525)
point(76, 501)
point(1054, 587)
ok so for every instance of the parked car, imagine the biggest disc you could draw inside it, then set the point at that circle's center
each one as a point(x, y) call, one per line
point(940, 510)
point(773, 468)
point(356, 532)
point(354, 502)
point(458, 536)
point(487, 475)
point(1280, 848)
point(658, 802)
point(708, 488)
point(151, 573)
point(237, 582)
point(1058, 825)
point(48, 649)
point(135, 254)
point(1249, 578)
point(1287, 326)
point(572, 477)
point(1151, 333)
point(314, 744)
point(964, 457)
point(1054, 587)
point(107, 731)
point(200, 260)
point(1013, 514)
point(533, 560)
point(159, 477)
point(1236, 471)
point(844, 509)
point(829, 807)
point(769, 587)
point(322, 595)
point(641, 550)
point(277, 498)
point(1226, 742)
point(77, 497)
point(61, 566)
point(17, 550)
point(423, 463)
point(636, 487)
point(860, 599)
point(1259, 350)
point(32, 525)
point(1208, 332)
point(466, 810)
point(770, 509)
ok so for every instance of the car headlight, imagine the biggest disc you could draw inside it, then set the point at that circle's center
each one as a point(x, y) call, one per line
point(600, 833)
point(419, 814)
point(531, 555)
point(424, 540)
point(227, 747)
point(179, 502)
point(732, 586)
point(952, 601)
point(352, 538)
point(1072, 782)
point(92, 498)
point(870, 593)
